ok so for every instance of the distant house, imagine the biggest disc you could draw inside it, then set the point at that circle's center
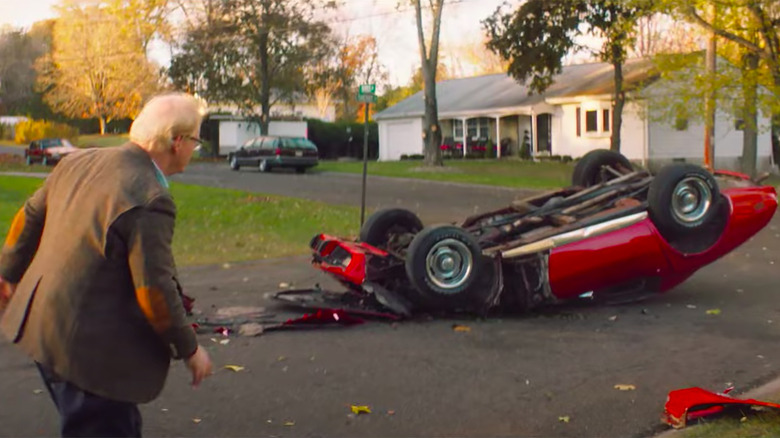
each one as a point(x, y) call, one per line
point(572, 117)
point(10, 123)
point(227, 130)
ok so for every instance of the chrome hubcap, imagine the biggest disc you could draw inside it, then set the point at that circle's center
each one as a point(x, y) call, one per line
point(691, 200)
point(449, 264)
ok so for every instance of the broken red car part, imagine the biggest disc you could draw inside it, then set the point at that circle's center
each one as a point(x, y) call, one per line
point(691, 403)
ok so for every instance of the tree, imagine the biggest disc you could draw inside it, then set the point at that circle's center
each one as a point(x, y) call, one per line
point(660, 33)
point(94, 70)
point(18, 52)
point(472, 58)
point(429, 57)
point(536, 37)
point(751, 26)
point(251, 52)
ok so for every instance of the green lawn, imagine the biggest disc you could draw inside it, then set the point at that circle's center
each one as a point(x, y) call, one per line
point(217, 225)
point(507, 173)
point(101, 141)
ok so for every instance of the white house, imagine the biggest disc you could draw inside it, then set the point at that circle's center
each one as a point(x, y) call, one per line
point(572, 117)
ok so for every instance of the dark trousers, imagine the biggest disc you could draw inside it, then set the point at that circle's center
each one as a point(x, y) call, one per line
point(83, 414)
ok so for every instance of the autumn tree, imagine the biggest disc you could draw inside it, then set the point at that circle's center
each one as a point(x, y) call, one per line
point(659, 33)
point(540, 33)
point(751, 31)
point(471, 58)
point(94, 69)
point(250, 53)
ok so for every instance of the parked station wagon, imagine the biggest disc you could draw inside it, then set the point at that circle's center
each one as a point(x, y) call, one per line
point(268, 152)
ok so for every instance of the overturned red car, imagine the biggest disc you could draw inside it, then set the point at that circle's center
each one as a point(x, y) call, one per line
point(618, 233)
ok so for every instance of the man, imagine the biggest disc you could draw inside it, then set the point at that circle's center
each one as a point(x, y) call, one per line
point(88, 278)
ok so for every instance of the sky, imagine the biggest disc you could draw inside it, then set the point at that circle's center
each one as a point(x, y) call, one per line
point(395, 30)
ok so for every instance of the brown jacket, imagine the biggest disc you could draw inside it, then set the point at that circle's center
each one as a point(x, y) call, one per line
point(98, 299)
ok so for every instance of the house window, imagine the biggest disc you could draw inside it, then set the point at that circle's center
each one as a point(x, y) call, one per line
point(478, 128)
point(579, 121)
point(591, 121)
point(605, 120)
point(457, 128)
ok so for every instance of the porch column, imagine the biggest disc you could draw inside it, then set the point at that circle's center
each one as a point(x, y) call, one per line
point(534, 136)
point(498, 136)
point(465, 136)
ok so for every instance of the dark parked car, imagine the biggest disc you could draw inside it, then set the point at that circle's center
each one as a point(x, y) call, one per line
point(48, 150)
point(268, 152)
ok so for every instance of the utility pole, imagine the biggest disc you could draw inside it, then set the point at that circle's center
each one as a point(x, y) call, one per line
point(710, 99)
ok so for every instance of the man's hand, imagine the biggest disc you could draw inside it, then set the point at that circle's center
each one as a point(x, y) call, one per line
point(6, 291)
point(199, 365)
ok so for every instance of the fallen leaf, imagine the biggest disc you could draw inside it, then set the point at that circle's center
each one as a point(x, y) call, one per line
point(564, 419)
point(760, 356)
point(691, 306)
point(281, 358)
point(235, 368)
point(390, 412)
point(713, 312)
point(37, 391)
point(196, 420)
point(461, 328)
point(224, 341)
point(743, 420)
point(360, 409)
point(226, 266)
point(164, 409)
point(625, 387)
point(284, 285)
point(289, 423)
point(613, 318)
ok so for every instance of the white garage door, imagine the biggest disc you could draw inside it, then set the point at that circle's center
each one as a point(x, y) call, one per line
point(401, 138)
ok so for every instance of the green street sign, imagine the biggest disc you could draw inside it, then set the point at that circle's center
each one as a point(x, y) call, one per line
point(367, 89)
point(367, 98)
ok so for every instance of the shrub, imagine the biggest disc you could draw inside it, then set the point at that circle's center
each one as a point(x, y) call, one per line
point(27, 131)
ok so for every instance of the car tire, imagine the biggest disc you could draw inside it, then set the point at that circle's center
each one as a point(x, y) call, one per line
point(45, 161)
point(589, 169)
point(384, 226)
point(444, 264)
point(682, 198)
point(263, 166)
point(28, 160)
point(234, 163)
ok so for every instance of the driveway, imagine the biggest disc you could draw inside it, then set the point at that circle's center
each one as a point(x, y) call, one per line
point(550, 373)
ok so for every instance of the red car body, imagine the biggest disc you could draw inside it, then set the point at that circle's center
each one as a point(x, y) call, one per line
point(635, 251)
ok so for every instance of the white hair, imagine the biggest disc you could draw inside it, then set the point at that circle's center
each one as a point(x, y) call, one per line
point(164, 117)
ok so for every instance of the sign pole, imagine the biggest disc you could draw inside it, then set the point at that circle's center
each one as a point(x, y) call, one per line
point(365, 165)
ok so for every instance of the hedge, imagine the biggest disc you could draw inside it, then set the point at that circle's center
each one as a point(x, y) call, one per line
point(30, 130)
point(333, 139)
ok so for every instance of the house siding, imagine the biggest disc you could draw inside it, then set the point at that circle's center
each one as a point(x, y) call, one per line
point(669, 144)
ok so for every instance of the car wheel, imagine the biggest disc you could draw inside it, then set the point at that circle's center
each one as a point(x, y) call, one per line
point(443, 264)
point(234, 163)
point(590, 170)
point(300, 170)
point(45, 161)
point(390, 228)
point(263, 166)
point(29, 160)
point(682, 198)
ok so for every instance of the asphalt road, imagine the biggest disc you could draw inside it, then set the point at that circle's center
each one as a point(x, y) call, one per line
point(12, 150)
point(432, 201)
point(508, 376)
